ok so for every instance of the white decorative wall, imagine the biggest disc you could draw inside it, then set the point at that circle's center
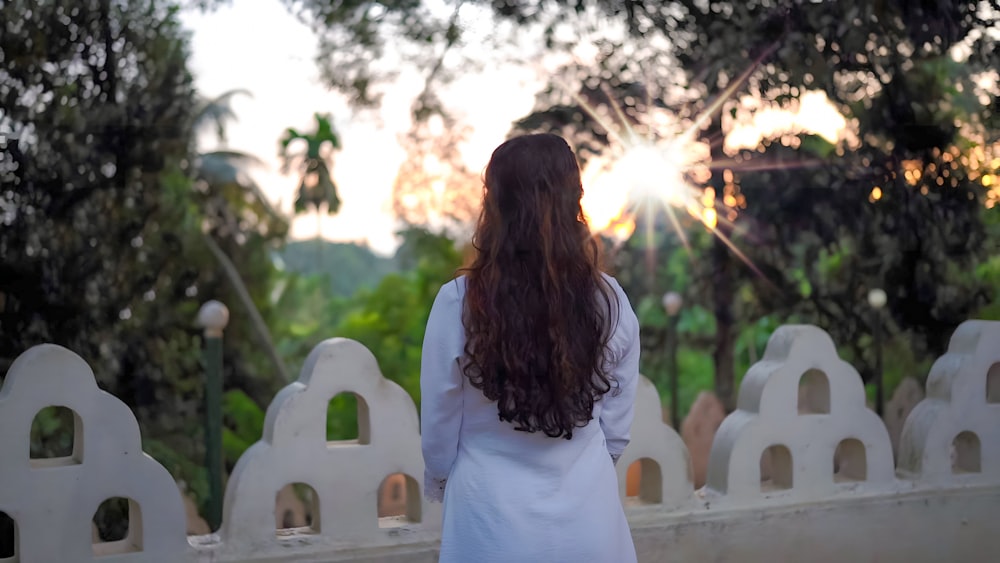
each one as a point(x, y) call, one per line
point(802, 445)
point(666, 465)
point(953, 435)
point(294, 449)
point(53, 501)
point(801, 471)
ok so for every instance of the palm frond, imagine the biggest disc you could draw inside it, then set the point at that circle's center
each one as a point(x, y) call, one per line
point(236, 158)
point(221, 168)
point(217, 112)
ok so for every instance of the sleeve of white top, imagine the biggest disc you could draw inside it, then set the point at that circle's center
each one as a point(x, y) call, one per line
point(441, 383)
point(618, 408)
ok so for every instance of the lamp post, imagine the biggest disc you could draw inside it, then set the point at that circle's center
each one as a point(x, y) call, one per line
point(672, 302)
point(877, 299)
point(213, 318)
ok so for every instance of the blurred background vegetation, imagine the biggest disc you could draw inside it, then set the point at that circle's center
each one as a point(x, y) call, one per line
point(115, 225)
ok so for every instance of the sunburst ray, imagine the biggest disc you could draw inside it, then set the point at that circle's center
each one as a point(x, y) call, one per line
point(659, 169)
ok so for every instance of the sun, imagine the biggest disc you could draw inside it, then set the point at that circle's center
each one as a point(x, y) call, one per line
point(666, 170)
point(647, 176)
point(652, 173)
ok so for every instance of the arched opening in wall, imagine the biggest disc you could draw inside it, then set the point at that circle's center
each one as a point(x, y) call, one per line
point(643, 482)
point(775, 469)
point(296, 510)
point(993, 384)
point(398, 501)
point(117, 527)
point(814, 393)
point(965, 453)
point(347, 421)
point(56, 437)
point(8, 539)
point(849, 461)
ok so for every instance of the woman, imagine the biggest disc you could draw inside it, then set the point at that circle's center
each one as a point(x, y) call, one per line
point(528, 376)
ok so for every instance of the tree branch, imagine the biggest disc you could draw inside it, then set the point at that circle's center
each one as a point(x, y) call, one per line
point(260, 327)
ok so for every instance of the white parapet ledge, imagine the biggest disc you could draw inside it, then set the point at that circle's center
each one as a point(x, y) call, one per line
point(801, 471)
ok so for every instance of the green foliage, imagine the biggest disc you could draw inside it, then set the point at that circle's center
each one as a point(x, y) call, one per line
point(90, 249)
point(186, 467)
point(650, 312)
point(817, 237)
point(217, 112)
point(107, 212)
point(819, 246)
point(345, 267)
point(694, 367)
point(390, 319)
point(243, 424)
point(52, 433)
point(342, 418)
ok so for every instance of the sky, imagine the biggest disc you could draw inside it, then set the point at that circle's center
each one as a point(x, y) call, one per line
point(230, 51)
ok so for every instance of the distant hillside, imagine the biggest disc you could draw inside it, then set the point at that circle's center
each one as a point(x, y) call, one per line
point(347, 266)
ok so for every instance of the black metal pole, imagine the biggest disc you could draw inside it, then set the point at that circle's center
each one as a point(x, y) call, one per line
point(877, 334)
point(213, 317)
point(213, 427)
point(674, 375)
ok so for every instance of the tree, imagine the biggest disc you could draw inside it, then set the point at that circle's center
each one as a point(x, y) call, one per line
point(344, 266)
point(434, 188)
point(855, 52)
point(224, 167)
point(886, 66)
point(907, 116)
point(227, 193)
point(103, 225)
point(390, 319)
point(97, 180)
point(314, 163)
point(363, 43)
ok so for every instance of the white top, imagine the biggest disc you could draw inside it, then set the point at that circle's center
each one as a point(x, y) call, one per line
point(519, 496)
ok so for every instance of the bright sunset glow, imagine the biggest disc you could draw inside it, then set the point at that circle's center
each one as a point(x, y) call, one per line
point(665, 170)
point(812, 113)
point(645, 177)
point(669, 169)
point(658, 170)
point(650, 175)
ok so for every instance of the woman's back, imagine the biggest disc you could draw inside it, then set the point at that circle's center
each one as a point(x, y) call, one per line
point(528, 376)
point(523, 496)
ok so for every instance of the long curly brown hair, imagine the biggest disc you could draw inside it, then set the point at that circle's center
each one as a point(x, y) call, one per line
point(537, 307)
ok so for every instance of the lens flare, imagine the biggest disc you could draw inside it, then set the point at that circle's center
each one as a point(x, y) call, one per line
point(645, 176)
point(665, 170)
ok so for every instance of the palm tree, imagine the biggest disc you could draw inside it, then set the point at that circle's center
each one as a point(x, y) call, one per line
point(314, 162)
point(221, 175)
point(227, 168)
